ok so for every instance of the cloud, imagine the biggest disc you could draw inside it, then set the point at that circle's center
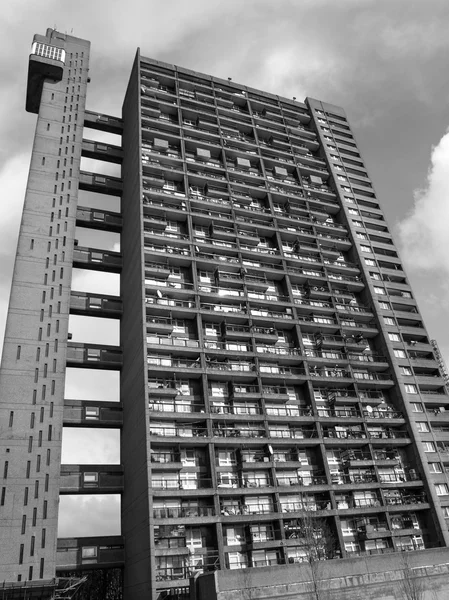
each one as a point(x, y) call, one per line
point(92, 384)
point(424, 233)
point(13, 178)
point(89, 515)
point(90, 446)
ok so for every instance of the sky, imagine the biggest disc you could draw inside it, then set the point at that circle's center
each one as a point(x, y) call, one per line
point(384, 61)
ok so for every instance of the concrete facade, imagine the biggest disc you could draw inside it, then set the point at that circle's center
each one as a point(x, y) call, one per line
point(33, 365)
point(376, 578)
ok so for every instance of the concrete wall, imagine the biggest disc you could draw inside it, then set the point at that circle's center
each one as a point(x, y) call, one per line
point(371, 578)
point(34, 355)
point(135, 499)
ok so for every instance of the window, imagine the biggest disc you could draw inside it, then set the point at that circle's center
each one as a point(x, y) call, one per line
point(428, 446)
point(389, 321)
point(410, 388)
point(375, 276)
point(46, 51)
point(365, 248)
point(417, 407)
point(384, 305)
point(435, 467)
point(399, 353)
point(379, 290)
point(394, 337)
point(370, 262)
point(406, 371)
point(89, 552)
point(442, 489)
point(422, 426)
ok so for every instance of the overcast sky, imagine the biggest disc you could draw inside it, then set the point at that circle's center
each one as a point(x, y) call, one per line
point(384, 61)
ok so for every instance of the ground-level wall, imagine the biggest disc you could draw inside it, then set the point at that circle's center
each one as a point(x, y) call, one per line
point(371, 578)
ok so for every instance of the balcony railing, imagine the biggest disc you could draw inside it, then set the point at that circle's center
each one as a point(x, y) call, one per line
point(177, 431)
point(169, 362)
point(177, 513)
point(159, 483)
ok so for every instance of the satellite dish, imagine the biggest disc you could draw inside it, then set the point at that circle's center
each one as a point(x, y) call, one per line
point(369, 408)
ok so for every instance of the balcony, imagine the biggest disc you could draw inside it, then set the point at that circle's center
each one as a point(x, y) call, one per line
point(373, 532)
point(177, 406)
point(184, 513)
point(98, 219)
point(92, 356)
point(170, 362)
point(90, 413)
point(237, 509)
point(179, 483)
point(230, 431)
point(95, 305)
point(244, 392)
point(94, 479)
point(178, 430)
point(297, 433)
point(97, 260)
point(275, 394)
point(163, 388)
point(356, 458)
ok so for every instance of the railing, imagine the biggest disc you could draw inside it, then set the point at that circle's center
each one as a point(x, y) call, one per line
point(180, 484)
point(229, 366)
point(295, 433)
point(372, 376)
point(353, 308)
point(279, 350)
point(273, 390)
point(163, 458)
point(304, 481)
point(305, 505)
point(338, 373)
point(263, 312)
point(234, 432)
point(355, 455)
point(288, 411)
point(179, 407)
point(236, 410)
point(170, 362)
point(406, 499)
point(174, 285)
point(246, 509)
point(338, 412)
point(168, 249)
point(172, 341)
point(388, 434)
point(398, 477)
point(344, 435)
point(366, 357)
point(176, 513)
point(280, 370)
point(225, 308)
point(170, 302)
point(386, 455)
point(177, 431)
point(166, 234)
point(382, 414)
